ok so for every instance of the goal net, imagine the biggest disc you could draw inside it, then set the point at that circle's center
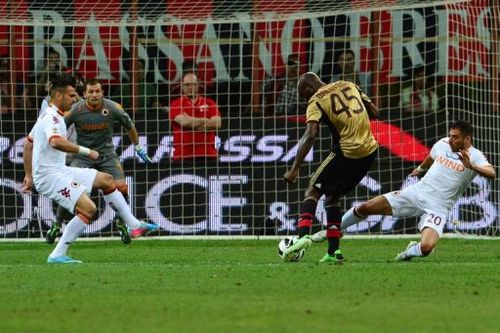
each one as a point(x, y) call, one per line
point(424, 63)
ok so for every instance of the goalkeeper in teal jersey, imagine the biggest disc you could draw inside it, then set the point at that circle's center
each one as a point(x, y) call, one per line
point(94, 118)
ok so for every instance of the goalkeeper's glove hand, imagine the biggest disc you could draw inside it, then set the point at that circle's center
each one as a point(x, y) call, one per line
point(143, 154)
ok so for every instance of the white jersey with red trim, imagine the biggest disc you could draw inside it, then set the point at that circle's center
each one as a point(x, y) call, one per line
point(447, 178)
point(47, 159)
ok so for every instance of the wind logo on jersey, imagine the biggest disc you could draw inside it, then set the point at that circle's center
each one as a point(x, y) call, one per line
point(450, 164)
point(105, 112)
point(65, 192)
point(453, 156)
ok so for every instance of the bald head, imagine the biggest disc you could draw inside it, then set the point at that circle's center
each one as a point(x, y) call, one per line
point(308, 84)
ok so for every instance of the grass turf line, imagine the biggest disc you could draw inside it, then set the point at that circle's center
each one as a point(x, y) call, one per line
point(242, 286)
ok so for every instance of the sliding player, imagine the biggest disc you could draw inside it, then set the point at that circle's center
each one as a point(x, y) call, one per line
point(451, 166)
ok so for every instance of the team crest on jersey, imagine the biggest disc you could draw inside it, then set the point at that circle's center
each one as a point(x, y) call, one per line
point(65, 192)
point(105, 112)
point(55, 120)
point(75, 184)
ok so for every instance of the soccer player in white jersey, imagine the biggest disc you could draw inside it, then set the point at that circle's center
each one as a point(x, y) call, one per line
point(44, 164)
point(451, 166)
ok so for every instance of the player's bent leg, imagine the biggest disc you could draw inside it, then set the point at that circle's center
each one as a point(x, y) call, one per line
point(375, 206)
point(85, 209)
point(307, 211)
point(428, 242)
point(378, 205)
point(423, 248)
point(114, 198)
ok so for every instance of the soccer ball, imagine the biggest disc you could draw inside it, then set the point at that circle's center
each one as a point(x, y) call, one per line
point(284, 244)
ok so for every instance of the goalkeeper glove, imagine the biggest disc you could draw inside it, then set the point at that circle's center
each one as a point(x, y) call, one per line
point(143, 154)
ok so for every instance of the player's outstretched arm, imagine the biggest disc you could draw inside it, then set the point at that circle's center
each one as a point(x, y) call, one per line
point(305, 145)
point(483, 170)
point(66, 146)
point(423, 167)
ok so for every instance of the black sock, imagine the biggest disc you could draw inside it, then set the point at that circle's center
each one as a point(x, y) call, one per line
point(334, 217)
point(306, 217)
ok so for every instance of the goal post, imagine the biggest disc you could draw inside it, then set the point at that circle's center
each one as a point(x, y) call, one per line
point(424, 63)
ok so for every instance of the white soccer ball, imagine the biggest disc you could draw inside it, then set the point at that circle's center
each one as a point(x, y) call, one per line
point(284, 244)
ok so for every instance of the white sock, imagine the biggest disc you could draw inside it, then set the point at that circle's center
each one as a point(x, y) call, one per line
point(349, 219)
point(73, 229)
point(414, 251)
point(116, 200)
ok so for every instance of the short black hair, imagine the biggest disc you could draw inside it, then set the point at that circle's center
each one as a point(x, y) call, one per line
point(61, 81)
point(464, 127)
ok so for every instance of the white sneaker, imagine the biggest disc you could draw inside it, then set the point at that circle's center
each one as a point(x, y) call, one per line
point(402, 255)
point(302, 243)
point(318, 237)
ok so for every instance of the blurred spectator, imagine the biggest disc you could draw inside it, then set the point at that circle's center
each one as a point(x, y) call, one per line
point(194, 120)
point(5, 93)
point(53, 66)
point(176, 88)
point(146, 92)
point(28, 99)
point(346, 63)
point(419, 96)
point(280, 93)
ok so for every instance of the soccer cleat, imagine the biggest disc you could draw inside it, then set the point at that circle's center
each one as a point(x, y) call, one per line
point(319, 236)
point(123, 230)
point(53, 232)
point(302, 244)
point(63, 259)
point(337, 258)
point(402, 256)
point(143, 229)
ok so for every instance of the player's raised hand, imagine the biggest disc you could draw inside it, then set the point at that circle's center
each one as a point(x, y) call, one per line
point(291, 176)
point(464, 156)
point(141, 152)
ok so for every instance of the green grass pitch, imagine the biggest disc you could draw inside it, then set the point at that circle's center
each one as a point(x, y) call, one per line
point(242, 286)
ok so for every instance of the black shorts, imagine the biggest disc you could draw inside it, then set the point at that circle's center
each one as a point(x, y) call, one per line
point(338, 174)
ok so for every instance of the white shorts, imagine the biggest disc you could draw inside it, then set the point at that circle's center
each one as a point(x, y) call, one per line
point(66, 186)
point(407, 203)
